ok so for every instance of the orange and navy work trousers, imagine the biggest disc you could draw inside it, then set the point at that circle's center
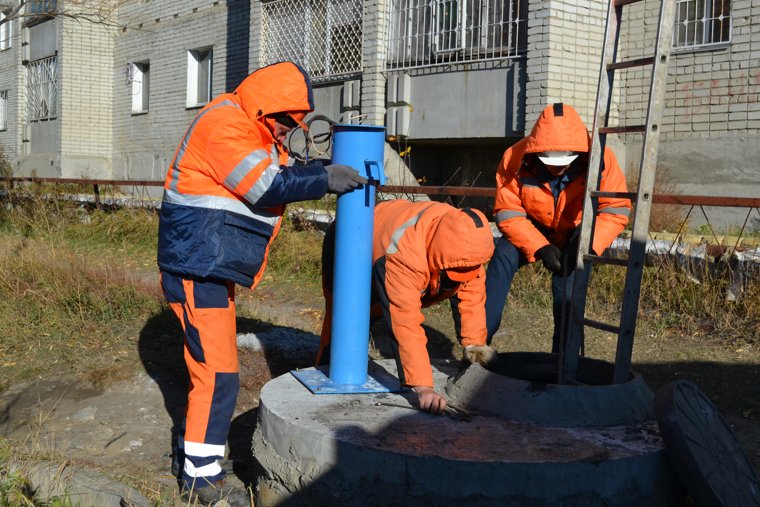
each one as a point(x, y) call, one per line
point(206, 309)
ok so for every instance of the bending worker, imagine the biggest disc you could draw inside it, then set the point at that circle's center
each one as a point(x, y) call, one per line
point(224, 197)
point(423, 253)
point(540, 185)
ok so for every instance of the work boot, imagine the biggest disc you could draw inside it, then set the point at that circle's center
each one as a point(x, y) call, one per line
point(217, 494)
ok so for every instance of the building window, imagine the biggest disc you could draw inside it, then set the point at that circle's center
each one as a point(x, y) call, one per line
point(436, 32)
point(41, 6)
point(42, 89)
point(38, 11)
point(4, 110)
point(701, 23)
point(5, 32)
point(323, 36)
point(139, 80)
point(198, 77)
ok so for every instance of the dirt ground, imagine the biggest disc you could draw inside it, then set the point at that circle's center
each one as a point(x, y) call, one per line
point(124, 429)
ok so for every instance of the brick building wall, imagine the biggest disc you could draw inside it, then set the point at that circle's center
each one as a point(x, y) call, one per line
point(564, 50)
point(373, 50)
point(85, 65)
point(161, 33)
point(711, 91)
point(711, 117)
point(10, 82)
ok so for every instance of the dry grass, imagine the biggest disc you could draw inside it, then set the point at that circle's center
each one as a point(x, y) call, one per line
point(296, 254)
point(78, 286)
point(15, 487)
point(69, 305)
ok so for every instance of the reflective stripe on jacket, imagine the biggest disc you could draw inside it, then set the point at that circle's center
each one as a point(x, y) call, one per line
point(415, 252)
point(228, 182)
point(526, 211)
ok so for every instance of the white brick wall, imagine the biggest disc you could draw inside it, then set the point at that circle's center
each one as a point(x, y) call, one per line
point(712, 95)
point(564, 48)
point(709, 93)
point(373, 51)
point(10, 80)
point(85, 65)
point(162, 33)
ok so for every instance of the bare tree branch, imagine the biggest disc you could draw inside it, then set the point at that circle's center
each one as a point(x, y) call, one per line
point(100, 13)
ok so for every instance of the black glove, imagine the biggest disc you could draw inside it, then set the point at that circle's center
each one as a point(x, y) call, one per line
point(342, 178)
point(551, 257)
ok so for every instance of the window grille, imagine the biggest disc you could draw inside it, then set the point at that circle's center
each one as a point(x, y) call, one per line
point(42, 88)
point(4, 110)
point(701, 22)
point(323, 36)
point(435, 32)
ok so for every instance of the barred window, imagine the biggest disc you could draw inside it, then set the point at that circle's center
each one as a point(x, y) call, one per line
point(323, 36)
point(42, 89)
point(702, 22)
point(4, 110)
point(435, 32)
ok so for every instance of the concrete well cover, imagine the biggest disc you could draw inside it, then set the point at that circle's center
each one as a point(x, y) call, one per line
point(525, 384)
point(709, 460)
point(379, 450)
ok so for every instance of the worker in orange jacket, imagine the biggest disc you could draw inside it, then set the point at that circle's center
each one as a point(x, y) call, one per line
point(423, 253)
point(540, 185)
point(224, 197)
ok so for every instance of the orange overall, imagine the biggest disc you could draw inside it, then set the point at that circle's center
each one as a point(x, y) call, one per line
point(224, 197)
point(535, 208)
point(418, 250)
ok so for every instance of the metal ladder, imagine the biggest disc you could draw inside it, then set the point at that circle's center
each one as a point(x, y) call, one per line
point(643, 197)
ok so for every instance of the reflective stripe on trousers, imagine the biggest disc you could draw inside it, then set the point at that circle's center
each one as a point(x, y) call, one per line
point(206, 310)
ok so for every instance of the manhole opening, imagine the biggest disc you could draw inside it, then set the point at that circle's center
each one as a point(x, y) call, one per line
point(541, 369)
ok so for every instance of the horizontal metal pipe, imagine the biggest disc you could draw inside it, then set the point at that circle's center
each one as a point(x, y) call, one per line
point(84, 181)
point(685, 200)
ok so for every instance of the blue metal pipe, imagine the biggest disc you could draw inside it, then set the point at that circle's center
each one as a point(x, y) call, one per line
point(361, 147)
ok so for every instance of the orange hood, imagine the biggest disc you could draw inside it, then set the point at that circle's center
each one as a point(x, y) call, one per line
point(461, 239)
point(558, 128)
point(278, 88)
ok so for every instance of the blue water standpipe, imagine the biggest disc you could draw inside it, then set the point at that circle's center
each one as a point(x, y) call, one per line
point(361, 147)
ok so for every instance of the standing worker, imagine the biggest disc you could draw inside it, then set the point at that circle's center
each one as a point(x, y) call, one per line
point(540, 186)
point(423, 253)
point(224, 197)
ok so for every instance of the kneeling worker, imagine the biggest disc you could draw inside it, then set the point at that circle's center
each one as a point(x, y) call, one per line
point(423, 253)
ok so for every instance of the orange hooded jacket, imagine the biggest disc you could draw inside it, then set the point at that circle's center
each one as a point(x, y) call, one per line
point(524, 203)
point(414, 242)
point(227, 186)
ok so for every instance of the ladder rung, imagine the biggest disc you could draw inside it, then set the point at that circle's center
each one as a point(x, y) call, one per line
point(639, 62)
point(601, 325)
point(622, 129)
point(633, 196)
point(605, 260)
